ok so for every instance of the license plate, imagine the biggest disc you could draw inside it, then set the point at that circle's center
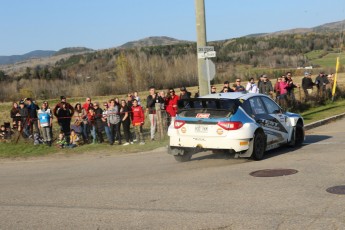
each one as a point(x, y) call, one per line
point(201, 128)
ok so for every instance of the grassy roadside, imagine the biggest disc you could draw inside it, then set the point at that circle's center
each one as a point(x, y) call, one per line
point(322, 112)
point(25, 149)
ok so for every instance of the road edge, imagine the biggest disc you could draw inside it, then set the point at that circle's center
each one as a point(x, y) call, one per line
point(323, 121)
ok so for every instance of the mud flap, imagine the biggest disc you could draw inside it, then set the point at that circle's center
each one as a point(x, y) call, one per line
point(247, 153)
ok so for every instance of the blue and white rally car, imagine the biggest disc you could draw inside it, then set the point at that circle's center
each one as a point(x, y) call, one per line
point(246, 124)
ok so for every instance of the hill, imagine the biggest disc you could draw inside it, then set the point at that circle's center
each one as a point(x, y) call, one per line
point(72, 50)
point(39, 54)
point(152, 41)
point(5, 60)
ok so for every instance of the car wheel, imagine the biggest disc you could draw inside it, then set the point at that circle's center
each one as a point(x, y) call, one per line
point(259, 145)
point(299, 135)
point(186, 156)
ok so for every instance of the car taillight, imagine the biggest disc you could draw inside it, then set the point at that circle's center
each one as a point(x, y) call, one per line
point(230, 125)
point(178, 124)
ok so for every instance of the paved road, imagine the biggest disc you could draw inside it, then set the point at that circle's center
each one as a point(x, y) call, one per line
point(152, 191)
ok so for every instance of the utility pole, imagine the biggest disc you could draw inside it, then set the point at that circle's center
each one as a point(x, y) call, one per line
point(201, 42)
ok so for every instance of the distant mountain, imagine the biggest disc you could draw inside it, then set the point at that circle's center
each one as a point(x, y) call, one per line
point(71, 50)
point(5, 60)
point(328, 27)
point(152, 41)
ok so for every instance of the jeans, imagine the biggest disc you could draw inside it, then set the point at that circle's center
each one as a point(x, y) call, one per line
point(109, 134)
point(115, 132)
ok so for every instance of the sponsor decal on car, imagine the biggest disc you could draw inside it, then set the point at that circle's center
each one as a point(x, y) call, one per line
point(202, 115)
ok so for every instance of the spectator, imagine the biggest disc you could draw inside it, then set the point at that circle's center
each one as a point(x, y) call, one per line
point(226, 85)
point(61, 142)
point(321, 81)
point(225, 90)
point(129, 100)
point(44, 122)
point(15, 115)
point(214, 90)
point(277, 87)
point(251, 86)
point(138, 120)
point(171, 105)
point(4, 133)
point(99, 124)
point(307, 85)
point(291, 87)
point(266, 86)
point(152, 99)
point(136, 96)
point(184, 93)
point(51, 115)
point(64, 116)
point(238, 86)
point(91, 124)
point(33, 121)
point(80, 121)
point(114, 122)
point(105, 123)
point(126, 122)
point(68, 106)
point(24, 113)
point(283, 85)
point(87, 105)
point(74, 139)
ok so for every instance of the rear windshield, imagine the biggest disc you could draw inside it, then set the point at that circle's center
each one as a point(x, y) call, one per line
point(207, 108)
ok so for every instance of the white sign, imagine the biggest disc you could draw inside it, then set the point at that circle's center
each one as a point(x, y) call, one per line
point(205, 49)
point(209, 70)
point(209, 54)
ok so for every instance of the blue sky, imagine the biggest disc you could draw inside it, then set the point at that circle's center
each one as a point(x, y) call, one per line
point(55, 24)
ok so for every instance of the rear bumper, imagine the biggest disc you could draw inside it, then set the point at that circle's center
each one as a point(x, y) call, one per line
point(209, 143)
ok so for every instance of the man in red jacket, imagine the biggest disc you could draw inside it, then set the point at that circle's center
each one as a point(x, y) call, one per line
point(138, 119)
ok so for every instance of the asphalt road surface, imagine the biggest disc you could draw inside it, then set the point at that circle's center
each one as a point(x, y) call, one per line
point(152, 191)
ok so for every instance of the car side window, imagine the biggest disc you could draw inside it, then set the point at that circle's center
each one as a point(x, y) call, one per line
point(257, 106)
point(271, 106)
point(246, 106)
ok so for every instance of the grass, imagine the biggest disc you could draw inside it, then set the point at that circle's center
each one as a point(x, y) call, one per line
point(26, 149)
point(327, 61)
point(322, 112)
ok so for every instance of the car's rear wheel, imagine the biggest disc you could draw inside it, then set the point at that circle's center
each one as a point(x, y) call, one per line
point(186, 156)
point(259, 145)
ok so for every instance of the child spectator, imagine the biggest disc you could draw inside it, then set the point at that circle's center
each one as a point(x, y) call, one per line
point(61, 142)
point(74, 139)
point(44, 122)
point(3, 132)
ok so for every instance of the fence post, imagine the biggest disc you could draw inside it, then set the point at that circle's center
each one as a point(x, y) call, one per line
point(159, 121)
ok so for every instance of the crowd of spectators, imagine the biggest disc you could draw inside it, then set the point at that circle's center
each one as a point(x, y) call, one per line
point(121, 121)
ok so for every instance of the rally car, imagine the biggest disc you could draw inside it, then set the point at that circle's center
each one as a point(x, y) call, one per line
point(247, 124)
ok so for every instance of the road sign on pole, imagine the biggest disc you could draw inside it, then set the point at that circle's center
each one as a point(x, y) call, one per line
point(203, 49)
point(209, 54)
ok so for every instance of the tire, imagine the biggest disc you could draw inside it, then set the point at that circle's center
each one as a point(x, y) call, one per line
point(299, 135)
point(259, 146)
point(186, 156)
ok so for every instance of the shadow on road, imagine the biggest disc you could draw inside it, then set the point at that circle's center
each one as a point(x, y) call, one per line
point(310, 139)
